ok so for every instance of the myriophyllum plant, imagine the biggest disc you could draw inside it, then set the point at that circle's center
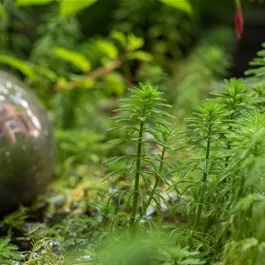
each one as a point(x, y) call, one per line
point(163, 137)
point(143, 121)
point(207, 126)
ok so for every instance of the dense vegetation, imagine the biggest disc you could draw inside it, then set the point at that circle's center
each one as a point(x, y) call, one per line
point(169, 171)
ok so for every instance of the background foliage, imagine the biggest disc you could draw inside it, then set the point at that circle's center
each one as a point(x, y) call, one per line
point(194, 184)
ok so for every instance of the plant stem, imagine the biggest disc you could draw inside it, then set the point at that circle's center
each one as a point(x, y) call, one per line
point(238, 3)
point(241, 188)
point(157, 178)
point(260, 241)
point(137, 176)
point(202, 186)
point(101, 71)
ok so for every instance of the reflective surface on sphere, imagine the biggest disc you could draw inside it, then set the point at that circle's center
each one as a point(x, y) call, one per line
point(26, 144)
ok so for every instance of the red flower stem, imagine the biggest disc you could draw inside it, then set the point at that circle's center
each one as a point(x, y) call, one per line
point(238, 3)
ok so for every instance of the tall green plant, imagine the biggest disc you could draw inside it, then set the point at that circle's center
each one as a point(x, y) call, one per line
point(246, 213)
point(144, 122)
point(208, 125)
point(228, 131)
point(202, 70)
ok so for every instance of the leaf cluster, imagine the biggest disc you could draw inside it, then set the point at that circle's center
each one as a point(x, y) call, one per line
point(145, 128)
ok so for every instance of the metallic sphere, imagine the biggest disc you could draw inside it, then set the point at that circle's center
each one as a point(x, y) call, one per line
point(26, 144)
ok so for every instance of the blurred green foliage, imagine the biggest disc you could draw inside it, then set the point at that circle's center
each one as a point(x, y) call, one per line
point(78, 72)
point(80, 59)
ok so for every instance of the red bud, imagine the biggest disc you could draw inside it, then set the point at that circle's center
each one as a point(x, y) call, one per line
point(239, 22)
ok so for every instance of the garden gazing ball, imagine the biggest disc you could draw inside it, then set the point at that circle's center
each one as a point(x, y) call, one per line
point(26, 144)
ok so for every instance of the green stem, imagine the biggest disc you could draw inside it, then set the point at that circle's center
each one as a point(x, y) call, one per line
point(202, 187)
point(157, 179)
point(260, 237)
point(241, 188)
point(237, 3)
point(137, 176)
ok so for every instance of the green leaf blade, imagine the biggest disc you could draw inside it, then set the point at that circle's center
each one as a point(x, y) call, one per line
point(69, 7)
point(32, 2)
point(18, 64)
point(182, 5)
point(76, 58)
